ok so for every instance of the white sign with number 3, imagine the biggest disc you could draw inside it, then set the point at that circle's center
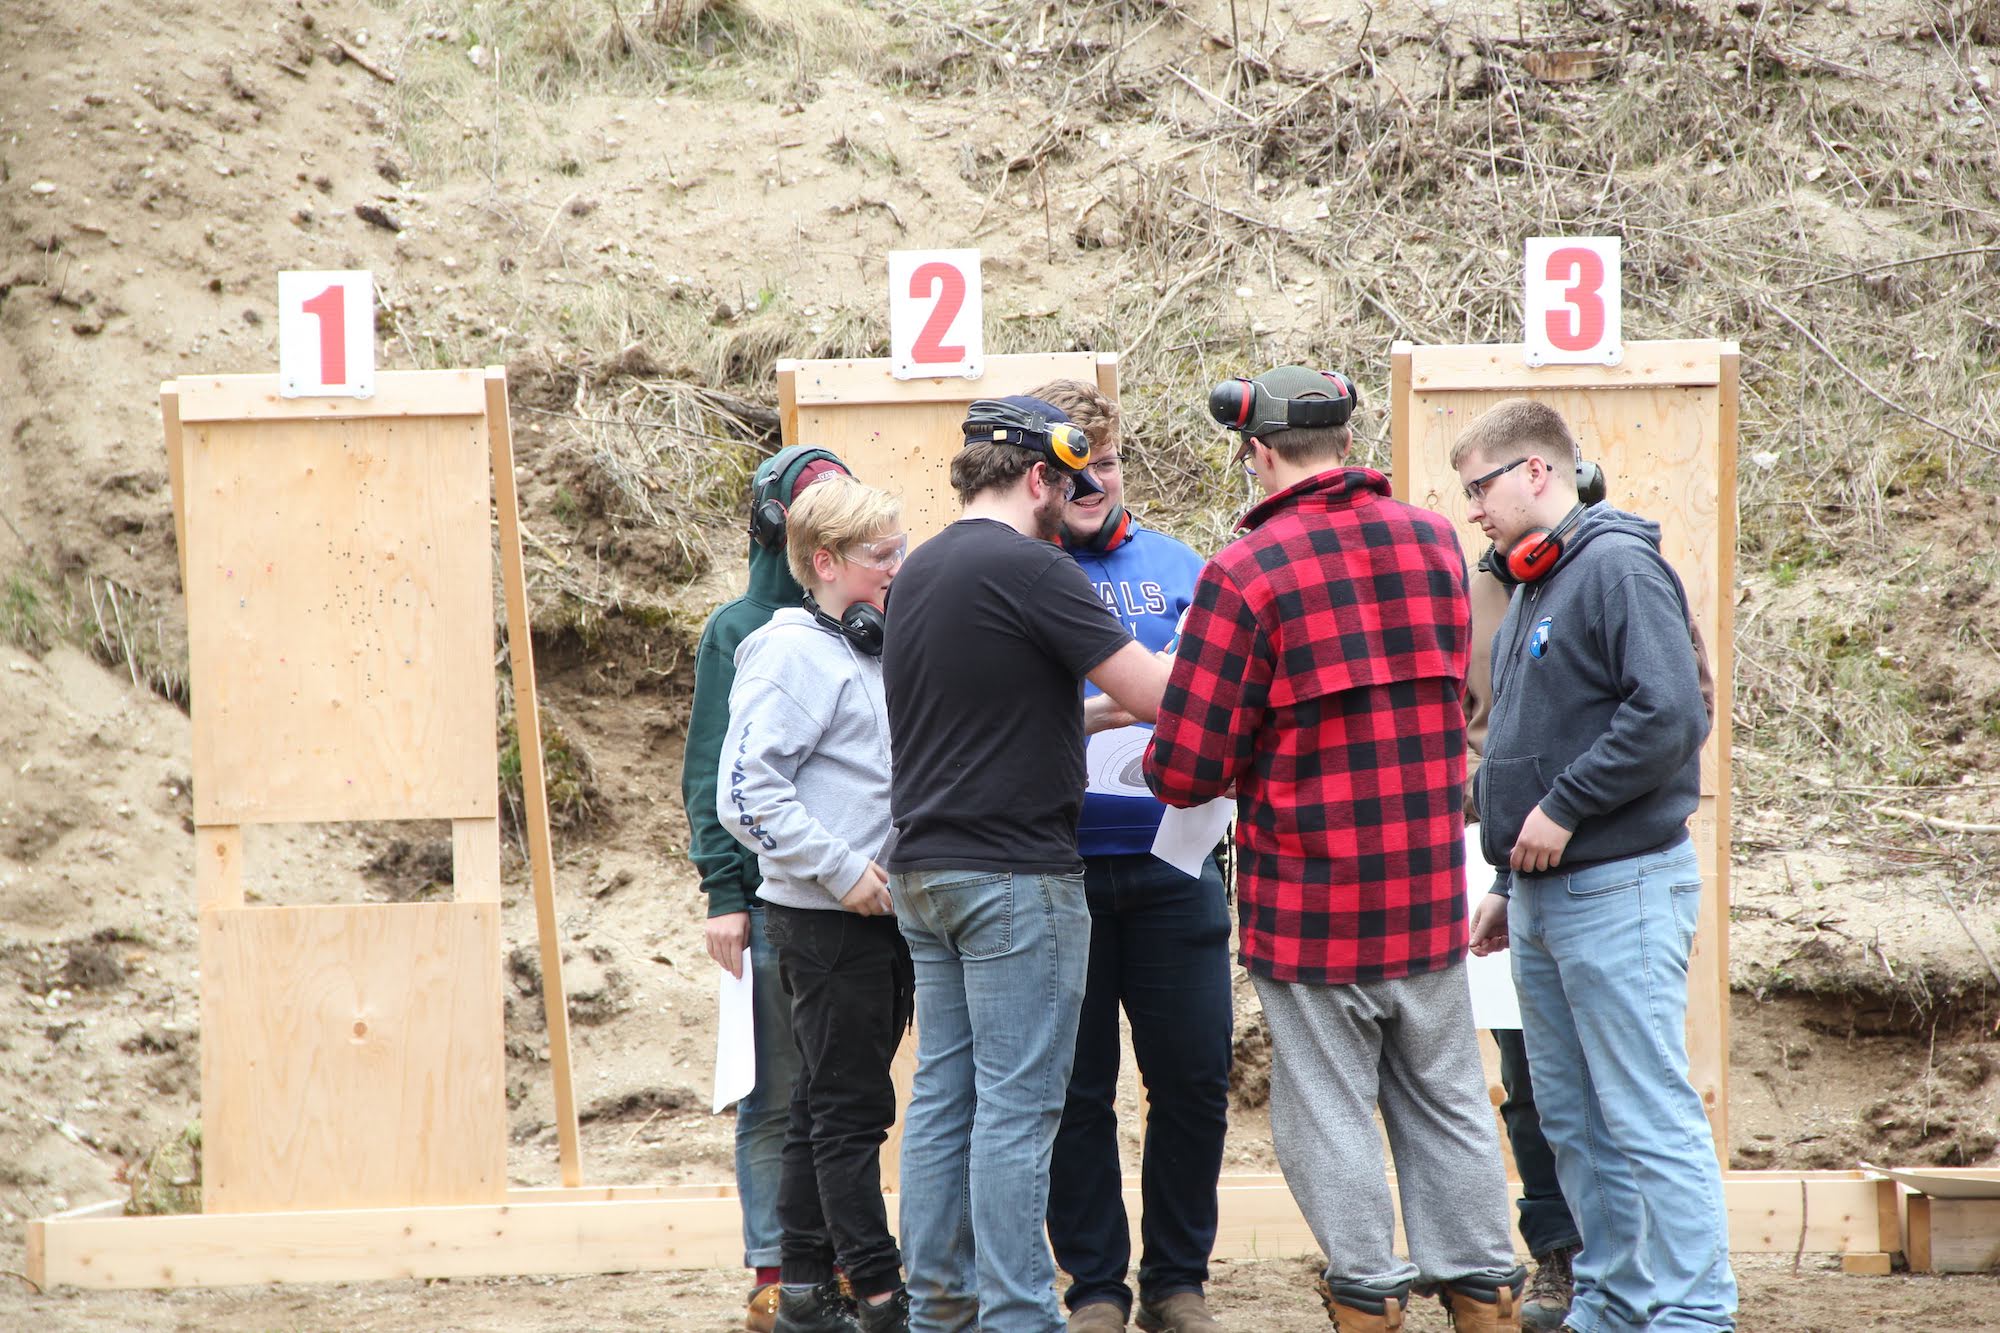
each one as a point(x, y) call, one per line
point(326, 335)
point(936, 315)
point(1573, 301)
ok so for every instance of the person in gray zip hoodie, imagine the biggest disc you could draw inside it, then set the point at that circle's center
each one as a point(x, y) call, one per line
point(804, 783)
point(1592, 768)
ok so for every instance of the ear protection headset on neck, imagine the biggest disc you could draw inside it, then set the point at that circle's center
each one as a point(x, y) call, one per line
point(862, 624)
point(1248, 408)
point(767, 499)
point(1061, 443)
point(1538, 550)
point(1111, 535)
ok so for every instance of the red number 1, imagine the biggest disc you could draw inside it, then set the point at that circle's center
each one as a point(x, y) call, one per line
point(331, 308)
point(1584, 271)
point(949, 283)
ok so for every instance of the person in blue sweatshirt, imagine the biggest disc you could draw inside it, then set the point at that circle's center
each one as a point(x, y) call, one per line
point(1592, 768)
point(1159, 946)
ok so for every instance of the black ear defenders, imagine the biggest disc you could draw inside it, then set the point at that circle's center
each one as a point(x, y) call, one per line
point(767, 508)
point(1589, 483)
point(1248, 408)
point(862, 624)
point(989, 419)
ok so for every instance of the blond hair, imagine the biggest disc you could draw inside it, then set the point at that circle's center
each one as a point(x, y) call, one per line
point(832, 515)
point(1515, 428)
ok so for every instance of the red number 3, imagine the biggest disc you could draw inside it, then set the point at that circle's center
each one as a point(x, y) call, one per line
point(949, 284)
point(1581, 326)
point(331, 308)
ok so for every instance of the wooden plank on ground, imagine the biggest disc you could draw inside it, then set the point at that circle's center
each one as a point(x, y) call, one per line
point(1965, 1235)
point(351, 1056)
point(398, 393)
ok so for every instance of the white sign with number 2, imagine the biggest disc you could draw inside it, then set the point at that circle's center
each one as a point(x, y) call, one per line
point(1573, 301)
point(326, 335)
point(936, 316)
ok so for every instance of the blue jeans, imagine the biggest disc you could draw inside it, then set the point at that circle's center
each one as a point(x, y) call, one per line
point(1600, 961)
point(1000, 962)
point(1159, 946)
point(762, 1117)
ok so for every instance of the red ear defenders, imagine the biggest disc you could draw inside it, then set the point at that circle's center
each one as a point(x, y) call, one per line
point(1539, 549)
point(1535, 554)
point(862, 625)
point(1117, 526)
point(1248, 408)
point(989, 419)
point(767, 509)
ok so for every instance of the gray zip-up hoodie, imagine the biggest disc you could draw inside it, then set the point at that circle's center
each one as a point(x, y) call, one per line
point(804, 778)
point(1597, 705)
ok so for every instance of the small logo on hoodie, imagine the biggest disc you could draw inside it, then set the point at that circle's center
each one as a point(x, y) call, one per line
point(1538, 642)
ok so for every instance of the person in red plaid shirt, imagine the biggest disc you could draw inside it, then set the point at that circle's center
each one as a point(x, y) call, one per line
point(1318, 675)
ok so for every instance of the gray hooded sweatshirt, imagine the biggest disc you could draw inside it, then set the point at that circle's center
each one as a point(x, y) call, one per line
point(804, 777)
point(1597, 707)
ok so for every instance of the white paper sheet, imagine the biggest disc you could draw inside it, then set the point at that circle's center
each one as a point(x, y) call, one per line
point(1188, 836)
point(735, 1037)
point(1114, 761)
point(1494, 1003)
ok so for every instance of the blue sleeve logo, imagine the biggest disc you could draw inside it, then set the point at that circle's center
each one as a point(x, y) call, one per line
point(1538, 642)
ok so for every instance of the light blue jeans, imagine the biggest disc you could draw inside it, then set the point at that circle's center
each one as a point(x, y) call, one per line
point(762, 1116)
point(1001, 961)
point(1600, 959)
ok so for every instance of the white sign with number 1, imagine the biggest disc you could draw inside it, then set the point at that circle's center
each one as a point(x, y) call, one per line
point(936, 315)
point(326, 335)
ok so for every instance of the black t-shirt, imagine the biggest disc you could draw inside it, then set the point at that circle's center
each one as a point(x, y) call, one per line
point(990, 635)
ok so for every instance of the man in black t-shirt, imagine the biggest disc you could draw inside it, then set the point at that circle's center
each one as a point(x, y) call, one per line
point(993, 631)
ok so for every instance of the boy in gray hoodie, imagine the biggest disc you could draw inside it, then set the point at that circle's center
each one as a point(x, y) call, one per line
point(804, 783)
point(1592, 768)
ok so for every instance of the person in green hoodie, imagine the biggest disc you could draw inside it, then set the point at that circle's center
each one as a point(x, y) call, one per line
point(729, 874)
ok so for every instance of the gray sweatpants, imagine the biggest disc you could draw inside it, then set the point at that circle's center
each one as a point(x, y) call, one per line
point(1407, 1046)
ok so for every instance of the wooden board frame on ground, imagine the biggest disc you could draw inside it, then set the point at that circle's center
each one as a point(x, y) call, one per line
point(664, 1228)
point(1662, 425)
point(335, 556)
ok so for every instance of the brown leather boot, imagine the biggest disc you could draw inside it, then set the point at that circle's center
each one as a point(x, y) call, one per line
point(1097, 1317)
point(1485, 1304)
point(761, 1315)
point(1359, 1307)
point(1182, 1312)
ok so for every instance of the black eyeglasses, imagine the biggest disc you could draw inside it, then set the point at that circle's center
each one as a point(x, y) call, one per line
point(1475, 489)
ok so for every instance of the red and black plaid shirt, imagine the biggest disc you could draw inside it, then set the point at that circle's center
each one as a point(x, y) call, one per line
point(1319, 671)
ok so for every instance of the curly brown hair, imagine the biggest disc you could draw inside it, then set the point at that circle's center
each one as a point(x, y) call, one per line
point(1089, 410)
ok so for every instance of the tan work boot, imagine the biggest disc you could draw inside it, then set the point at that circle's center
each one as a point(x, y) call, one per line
point(1359, 1307)
point(761, 1315)
point(1182, 1312)
point(1485, 1304)
point(1097, 1317)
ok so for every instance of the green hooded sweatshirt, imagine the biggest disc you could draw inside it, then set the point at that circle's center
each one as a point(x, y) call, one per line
point(728, 869)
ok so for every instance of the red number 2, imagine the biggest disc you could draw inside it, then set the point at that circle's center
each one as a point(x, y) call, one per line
point(331, 308)
point(949, 284)
point(1584, 271)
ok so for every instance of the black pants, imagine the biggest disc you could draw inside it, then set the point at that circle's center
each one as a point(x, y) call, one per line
point(1159, 946)
point(1546, 1223)
point(851, 985)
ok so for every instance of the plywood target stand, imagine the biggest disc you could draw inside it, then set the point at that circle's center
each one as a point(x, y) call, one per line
point(335, 554)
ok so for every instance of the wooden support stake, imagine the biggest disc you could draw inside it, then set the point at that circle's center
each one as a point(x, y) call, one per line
point(218, 867)
point(170, 421)
point(475, 860)
point(1918, 1246)
point(534, 792)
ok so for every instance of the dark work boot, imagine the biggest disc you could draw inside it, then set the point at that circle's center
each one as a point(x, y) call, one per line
point(821, 1310)
point(1365, 1307)
point(890, 1316)
point(1547, 1299)
point(1485, 1302)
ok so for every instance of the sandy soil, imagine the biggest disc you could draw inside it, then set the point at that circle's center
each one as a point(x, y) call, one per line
point(186, 163)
